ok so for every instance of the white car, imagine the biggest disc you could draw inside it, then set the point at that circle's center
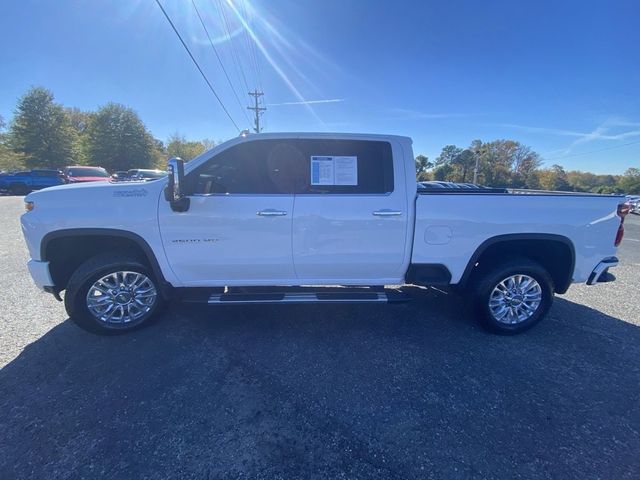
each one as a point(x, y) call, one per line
point(144, 175)
point(288, 215)
point(634, 203)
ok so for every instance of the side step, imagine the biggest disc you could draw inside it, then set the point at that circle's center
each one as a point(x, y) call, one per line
point(297, 295)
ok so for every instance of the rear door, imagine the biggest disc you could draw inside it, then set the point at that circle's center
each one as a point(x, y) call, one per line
point(350, 217)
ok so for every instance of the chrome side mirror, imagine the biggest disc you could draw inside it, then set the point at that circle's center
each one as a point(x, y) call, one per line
point(174, 193)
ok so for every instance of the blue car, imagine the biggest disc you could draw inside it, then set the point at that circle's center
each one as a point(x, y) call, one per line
point(21, 183)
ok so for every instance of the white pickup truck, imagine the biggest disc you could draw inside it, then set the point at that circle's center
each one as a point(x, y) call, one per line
point(301, 217)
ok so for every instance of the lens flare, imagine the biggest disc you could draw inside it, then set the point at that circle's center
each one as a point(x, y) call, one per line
point(267, 55)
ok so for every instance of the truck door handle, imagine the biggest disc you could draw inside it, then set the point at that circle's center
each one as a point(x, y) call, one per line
point(387, 213)
point(270, 212)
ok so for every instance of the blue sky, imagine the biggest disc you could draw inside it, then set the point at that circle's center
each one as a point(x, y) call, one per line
point(560, 76)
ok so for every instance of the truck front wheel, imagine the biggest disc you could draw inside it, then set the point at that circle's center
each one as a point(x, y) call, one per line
point(112, 293)
point(513, 297)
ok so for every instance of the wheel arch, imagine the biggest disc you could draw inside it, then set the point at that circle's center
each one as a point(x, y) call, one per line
point(556, 253)
point(67, 249)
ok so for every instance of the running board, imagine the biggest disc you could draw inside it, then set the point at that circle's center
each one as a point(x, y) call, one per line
point(300, 296)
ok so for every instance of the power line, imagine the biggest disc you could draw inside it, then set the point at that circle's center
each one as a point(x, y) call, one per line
point(197, 65)
point(215, 50)
point(250, 44)
point(594, 151)
point(234, 51)
point(253, 57)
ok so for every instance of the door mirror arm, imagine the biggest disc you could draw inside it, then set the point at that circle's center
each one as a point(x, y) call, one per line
point(174, 191)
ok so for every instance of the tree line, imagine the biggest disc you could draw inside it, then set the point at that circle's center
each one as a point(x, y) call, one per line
point(508, 163)
point(46, 134)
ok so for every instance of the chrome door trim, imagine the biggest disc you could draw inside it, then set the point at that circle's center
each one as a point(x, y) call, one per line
point(385, 212)
point(271, 212)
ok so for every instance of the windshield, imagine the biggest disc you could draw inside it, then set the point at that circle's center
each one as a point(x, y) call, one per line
point(86, 172)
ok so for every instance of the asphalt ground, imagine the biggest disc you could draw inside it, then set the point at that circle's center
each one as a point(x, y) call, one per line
point(416, 390)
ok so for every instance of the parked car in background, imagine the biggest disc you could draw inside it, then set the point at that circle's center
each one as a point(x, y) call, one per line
point(634, 202)
point(439, 185)
point(120, 176)
point(80, 174)
point(142, 174)
point(21, 183)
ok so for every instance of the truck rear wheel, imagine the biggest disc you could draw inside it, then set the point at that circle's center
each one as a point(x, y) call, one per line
point(513, 297)
point(112, 293)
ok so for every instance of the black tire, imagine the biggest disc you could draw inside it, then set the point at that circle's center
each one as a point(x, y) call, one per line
point(18, 189)
point(75, 298)
point(485, 283)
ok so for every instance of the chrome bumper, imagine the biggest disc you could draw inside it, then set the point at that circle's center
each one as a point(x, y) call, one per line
point(40, 273)
point(601, 273)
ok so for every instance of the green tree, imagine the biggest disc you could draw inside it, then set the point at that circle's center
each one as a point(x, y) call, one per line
point(80, 121)
point(443, 172)
point(41, 131)
point(607, 189)
point(448, 154)
point(450, 164)
point(423, 165)
point(630, 181)
point(208, 143)
point(118, 140)
point(179, 146)
point(464, 163)
point(589, 182)
point(554, 178)
point(9, 160)
point(533, 181)
point(524, 165)
point(160, 156)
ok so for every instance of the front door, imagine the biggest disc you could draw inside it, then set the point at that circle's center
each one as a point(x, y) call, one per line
point(237, 230)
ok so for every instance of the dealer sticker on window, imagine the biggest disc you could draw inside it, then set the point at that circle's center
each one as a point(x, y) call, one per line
point(334, 170)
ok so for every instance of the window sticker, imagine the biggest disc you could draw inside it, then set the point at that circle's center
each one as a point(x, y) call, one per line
point(338, 170)
point(322, 170)
point(345, 170)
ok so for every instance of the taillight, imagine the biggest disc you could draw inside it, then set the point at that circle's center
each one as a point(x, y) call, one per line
point(623, 210)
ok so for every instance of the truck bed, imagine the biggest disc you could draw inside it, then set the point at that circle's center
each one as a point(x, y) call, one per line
point(452, 223)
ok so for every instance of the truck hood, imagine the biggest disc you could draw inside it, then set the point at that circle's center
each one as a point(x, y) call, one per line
point(96, 194)
point(104, 187)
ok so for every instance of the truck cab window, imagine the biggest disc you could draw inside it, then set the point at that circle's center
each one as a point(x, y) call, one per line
point(374, 166)
point(255, 167)
point(284, 167)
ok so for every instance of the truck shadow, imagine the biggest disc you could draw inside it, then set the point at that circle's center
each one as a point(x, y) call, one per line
point(362, 390)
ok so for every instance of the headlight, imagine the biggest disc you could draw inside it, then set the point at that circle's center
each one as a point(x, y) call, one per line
point(28, 206)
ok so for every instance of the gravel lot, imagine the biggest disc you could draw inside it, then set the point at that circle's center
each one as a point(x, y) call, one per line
point(395, 391)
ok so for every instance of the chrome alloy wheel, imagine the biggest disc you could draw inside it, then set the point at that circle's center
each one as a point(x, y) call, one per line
point(515, 299)
point(121, 298)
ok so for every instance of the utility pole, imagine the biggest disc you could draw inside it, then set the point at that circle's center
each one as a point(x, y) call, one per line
point(256, 109)
point(476, 154)
point(475, 169)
